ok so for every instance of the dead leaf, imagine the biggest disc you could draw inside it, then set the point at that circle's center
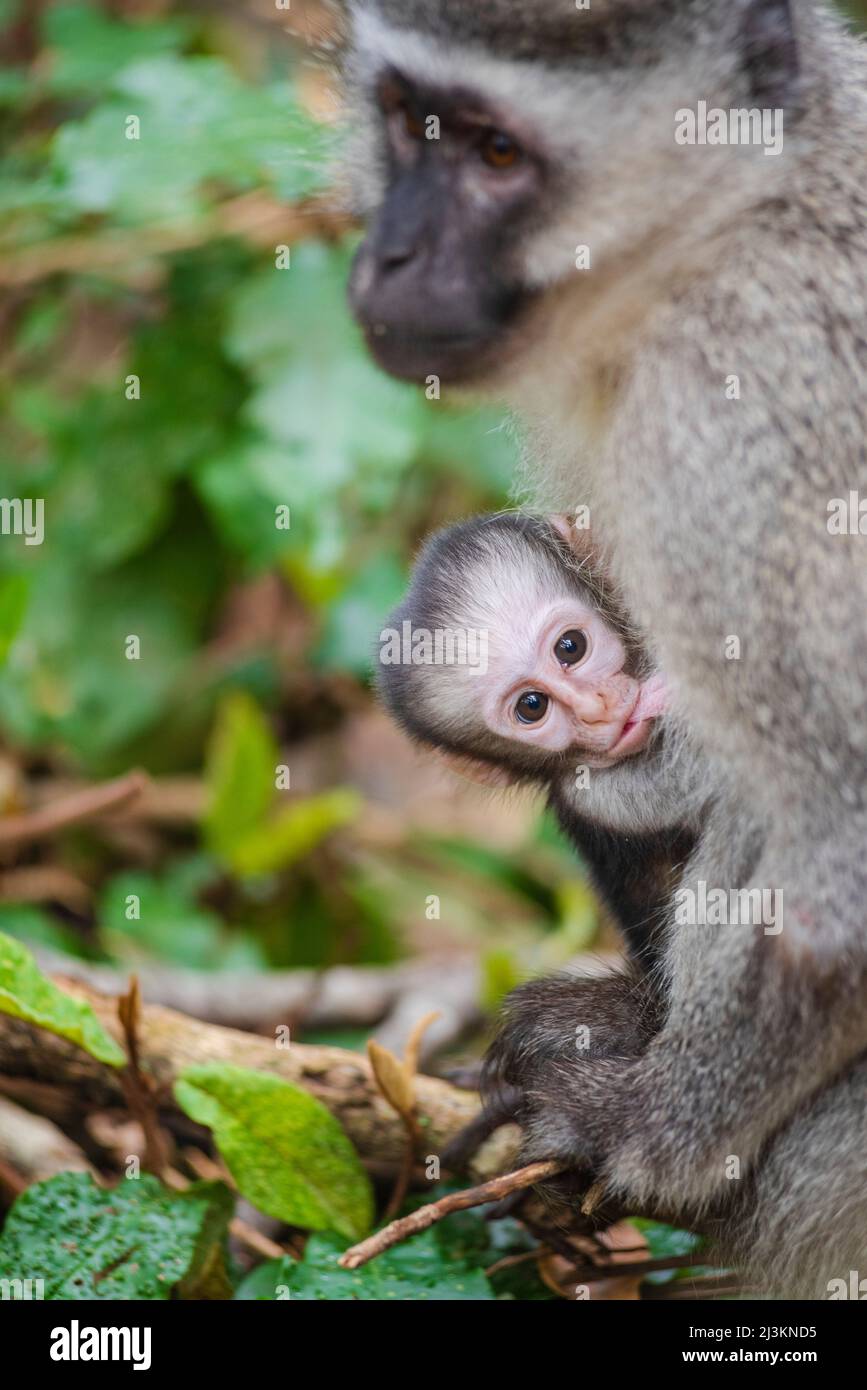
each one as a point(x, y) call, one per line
point(393, 1079)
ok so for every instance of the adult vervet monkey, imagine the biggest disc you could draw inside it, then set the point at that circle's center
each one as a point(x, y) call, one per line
point(700, 382)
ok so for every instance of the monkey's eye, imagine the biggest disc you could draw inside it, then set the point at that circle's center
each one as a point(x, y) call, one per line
point(499, 150)
point(572, 647)
point(531, 707)
point(413, 127)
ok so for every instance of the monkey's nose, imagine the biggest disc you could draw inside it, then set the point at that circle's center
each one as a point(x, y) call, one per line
point(592, 707)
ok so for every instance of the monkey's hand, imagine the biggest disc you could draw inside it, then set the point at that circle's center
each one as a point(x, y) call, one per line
point(563, 1059)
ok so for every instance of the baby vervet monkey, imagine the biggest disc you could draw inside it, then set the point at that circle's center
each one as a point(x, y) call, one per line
point(518, 662)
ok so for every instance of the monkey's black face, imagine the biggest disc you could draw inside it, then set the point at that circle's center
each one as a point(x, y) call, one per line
point(435, 284)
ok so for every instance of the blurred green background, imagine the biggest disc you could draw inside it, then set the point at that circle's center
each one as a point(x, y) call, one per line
point(170, 387)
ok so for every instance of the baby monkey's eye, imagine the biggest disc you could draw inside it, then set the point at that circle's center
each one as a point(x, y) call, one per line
point(499, 150)
point(531, 707)
point(572, 647)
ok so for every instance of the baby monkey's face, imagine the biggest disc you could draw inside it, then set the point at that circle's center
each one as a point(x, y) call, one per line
point(562, 684)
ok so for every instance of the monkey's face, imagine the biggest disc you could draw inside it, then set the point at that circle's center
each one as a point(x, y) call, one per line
point(436, 283)
point(561, 684)
point(518, 160)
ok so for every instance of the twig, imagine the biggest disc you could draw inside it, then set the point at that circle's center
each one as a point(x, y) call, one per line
point(42, 883)
point(80, 806)
point(249, 217)
point(256, 1242)
point(419, 1220)
point(593, 1197)
point(590, 1273)
point(715, 1286)
point(404, 1172)
point(396, 1082)
point(138, 1088)
point(511, 1261)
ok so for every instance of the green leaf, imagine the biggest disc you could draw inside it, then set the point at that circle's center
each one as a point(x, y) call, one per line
point(287, 1154)
point(294, 832)
point(501, 972)
point(421, 1270)
point(86, 49)
point(26, 993)
point(36, 927)
point(136, 1241)
point(293, 334)
point(171, 925)
point(241, 768)
point(353, 623)
point(198, 124)
point(663, 1241)
point(14, 589)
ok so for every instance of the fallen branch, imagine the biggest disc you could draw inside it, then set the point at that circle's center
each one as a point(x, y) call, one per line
point(345, 996)
point(423, 1217)
point(42, 1069)
point(34, 1148)
point(169, 1042)
point(80, 806)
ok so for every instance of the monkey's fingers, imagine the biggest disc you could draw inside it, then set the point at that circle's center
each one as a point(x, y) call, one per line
point(460, 1150)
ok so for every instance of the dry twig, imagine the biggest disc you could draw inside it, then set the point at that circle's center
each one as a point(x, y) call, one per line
point(80, 806)
point(138, 1087)
point(419, 1220)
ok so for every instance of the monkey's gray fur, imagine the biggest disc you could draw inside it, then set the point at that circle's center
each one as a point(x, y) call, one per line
point(713, 516)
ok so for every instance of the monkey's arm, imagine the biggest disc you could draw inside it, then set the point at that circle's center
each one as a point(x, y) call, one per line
point(764, 1014)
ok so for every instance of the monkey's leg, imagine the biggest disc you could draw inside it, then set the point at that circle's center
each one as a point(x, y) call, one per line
point(568, 1026)
point(757, 1024)
point(619, 1012)
point(804, 1220)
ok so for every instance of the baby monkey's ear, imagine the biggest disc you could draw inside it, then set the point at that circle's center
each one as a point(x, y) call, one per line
point(581, 542)
point(578, 539)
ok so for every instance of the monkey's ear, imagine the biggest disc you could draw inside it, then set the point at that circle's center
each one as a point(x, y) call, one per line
point(771, 55)
point(579, 542)
point(562, 524)
point(474, 770)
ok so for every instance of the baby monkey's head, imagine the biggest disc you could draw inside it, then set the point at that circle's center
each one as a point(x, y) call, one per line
point(507, 650)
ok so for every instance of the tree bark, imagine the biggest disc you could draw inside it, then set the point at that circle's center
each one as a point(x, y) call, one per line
point(169, 1042)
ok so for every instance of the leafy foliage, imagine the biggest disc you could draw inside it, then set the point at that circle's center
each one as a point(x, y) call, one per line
point(136, 1241)
point(285, 1151)
point(205, 428)
point(421, 1271)
point(26, 993)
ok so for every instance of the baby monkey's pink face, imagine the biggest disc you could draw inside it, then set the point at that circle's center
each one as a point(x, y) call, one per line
point(560, 685)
